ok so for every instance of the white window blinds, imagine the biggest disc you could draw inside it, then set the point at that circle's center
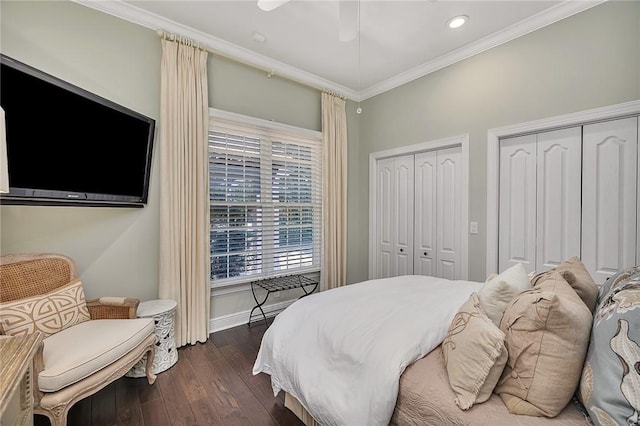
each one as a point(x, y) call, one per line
point(265, 200)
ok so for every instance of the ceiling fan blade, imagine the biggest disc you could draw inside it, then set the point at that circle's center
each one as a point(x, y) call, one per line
point(269, 5)
point(348, 20)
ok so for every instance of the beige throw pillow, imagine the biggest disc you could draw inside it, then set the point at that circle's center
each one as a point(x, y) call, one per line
point(47, 313)
point(547, 329)
point(500, 289)
point(474, 354)
point(578, 277)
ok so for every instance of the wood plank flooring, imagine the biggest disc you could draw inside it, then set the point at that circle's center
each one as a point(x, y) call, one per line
point(211, 384)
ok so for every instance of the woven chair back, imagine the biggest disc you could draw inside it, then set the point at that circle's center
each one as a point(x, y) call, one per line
point(31, 274)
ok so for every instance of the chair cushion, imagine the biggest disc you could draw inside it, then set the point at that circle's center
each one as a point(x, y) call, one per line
point(48, 313)
point(77, 352)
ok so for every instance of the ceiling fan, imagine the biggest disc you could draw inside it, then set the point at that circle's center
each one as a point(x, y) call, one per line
point(348, 25)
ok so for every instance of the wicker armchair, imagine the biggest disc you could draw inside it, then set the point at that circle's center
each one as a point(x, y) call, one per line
point(84, 357)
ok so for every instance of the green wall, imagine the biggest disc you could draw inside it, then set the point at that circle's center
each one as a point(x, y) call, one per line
point(116, 249)
point(586, 61)
point(246, 90)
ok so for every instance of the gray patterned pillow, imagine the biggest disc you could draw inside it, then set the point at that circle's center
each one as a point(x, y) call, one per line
point(610, 384)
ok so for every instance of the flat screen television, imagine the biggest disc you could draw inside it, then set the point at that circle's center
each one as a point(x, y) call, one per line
point(67, 146)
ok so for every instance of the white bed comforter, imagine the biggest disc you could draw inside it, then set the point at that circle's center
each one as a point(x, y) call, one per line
point(341, 352)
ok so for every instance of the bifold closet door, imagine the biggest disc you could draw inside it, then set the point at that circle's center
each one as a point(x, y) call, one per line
point(609, 197)
point(540, 194)
point(384, 216)
point(394, 216)
point(558, 199)
point(425, 214)
point(418, 214)
point(438, 233)
point(403, 213)
point(517, 213)
point(448, 208)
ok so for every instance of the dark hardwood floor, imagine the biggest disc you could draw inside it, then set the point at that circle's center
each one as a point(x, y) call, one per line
point(211, 384)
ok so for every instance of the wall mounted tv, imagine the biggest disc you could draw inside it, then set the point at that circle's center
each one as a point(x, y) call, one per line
point(67, 146)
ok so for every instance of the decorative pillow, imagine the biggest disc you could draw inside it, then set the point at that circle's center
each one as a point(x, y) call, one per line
point(610, 383)
point(547, 329)
point(474, 354)
point(578, 277)
point(48, 313)
point(499, 290)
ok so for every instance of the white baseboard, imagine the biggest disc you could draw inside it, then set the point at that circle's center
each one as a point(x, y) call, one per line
point(241, 318)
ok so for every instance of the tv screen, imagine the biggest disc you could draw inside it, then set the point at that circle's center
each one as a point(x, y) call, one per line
point(67, 146)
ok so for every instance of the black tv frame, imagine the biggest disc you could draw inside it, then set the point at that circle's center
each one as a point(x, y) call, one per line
point(43, 197)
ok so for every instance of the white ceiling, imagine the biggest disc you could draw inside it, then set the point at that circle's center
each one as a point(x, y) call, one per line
point(399, 40)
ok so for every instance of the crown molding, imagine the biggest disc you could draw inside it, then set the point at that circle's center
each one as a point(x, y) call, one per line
point(221, 47)
point(216, 45)
point(554, 14)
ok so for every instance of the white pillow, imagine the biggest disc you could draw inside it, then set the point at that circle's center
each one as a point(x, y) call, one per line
point(500, 289)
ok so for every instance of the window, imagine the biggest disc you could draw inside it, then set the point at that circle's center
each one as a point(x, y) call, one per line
point(264, 199)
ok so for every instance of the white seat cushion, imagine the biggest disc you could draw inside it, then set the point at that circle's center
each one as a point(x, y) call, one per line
point(77, 352)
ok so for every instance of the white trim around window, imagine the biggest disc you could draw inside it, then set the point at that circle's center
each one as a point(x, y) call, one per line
point(265, 199)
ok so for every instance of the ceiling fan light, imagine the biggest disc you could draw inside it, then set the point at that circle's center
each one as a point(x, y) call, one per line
point(269, 5)
point(457, 21)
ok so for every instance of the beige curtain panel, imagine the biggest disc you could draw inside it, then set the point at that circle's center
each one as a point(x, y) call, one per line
point(334, 192)
point(184, 191)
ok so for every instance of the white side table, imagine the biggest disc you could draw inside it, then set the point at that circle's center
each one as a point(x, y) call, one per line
point(163, 312)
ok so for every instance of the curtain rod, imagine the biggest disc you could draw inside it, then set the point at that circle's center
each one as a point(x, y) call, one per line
point(270, 72)
point(181, 40)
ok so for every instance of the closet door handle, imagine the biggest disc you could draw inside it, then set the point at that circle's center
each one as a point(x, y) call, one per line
point(426, 254)
point(401, 250)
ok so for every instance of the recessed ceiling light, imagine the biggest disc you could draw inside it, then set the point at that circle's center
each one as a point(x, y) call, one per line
point(457, 22)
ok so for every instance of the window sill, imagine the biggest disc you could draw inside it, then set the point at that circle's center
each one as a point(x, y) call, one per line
point(221, 290)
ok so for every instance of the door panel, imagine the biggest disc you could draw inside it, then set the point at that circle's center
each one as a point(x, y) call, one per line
point(558, 206)
point(384, 218)
point(402, 205)
point(517, 215)
point(609, 182)
point(449, 233)
point(425, 214)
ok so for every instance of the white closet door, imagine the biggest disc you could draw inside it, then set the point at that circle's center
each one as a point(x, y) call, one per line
point(558, 206)
point(517, 220)
point(384, 218)
point(425, 214)
point(403, 194)
point(609, 198)
point(449, 233)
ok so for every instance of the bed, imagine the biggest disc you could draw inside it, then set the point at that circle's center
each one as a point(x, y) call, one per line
point(340, 353)
point(372, 353)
